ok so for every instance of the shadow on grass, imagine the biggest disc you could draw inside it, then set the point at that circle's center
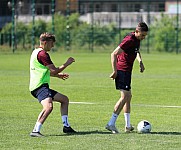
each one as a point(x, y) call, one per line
point(103, 132)
point(81, 133)
point(167, 133)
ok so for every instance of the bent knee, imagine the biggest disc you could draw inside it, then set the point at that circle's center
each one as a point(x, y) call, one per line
point(48, 109)
point(61, 98)
point(66, 100)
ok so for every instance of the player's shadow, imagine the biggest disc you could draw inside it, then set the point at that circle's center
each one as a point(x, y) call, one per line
point(82, 133)
point(167, 133)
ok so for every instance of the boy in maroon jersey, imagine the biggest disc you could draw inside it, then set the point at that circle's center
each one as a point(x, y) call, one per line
point(122, 59)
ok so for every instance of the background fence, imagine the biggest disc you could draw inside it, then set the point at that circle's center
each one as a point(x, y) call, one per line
point(89, 25)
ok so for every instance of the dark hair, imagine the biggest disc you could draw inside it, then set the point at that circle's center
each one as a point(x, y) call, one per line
point(47, 37)
point(142, 26)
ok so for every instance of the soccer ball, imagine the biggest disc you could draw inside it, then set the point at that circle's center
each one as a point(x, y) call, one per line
point(144, 126)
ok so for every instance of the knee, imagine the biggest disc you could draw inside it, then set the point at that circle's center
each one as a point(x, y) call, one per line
point(49, 109)
point(66, 100)
point(127, 97)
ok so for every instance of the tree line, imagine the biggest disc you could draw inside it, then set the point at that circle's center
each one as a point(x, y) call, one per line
point(80, 35)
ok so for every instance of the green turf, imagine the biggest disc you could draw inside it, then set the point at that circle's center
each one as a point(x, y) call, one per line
point(153, 92)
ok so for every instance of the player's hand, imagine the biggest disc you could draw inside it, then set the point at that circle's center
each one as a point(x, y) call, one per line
point(70, 60)
point(113, 75)
point(63, 76)
point(142, 68)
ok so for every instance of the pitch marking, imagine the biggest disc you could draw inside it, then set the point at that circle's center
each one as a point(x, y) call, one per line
point(163, 106)
point(142, 105)
point(86, 103)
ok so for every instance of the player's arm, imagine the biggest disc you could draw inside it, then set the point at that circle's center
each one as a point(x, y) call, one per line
point(55, 71)
point(138, 57)
point(114, 54)
point(61, 76)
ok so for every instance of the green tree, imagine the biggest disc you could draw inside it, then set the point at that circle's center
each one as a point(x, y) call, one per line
point(20, 32)
point(98, 35)
point(40, 26)
point(163, 34)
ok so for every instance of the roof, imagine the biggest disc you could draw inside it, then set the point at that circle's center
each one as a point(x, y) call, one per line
point(121, 0)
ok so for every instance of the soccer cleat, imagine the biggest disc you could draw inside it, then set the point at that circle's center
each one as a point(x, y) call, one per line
point(36, 134)
point(112, 128)
point(129, 129)
point(68, 130)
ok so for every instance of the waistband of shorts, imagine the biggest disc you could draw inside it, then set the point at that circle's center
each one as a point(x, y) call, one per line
point(43, 85)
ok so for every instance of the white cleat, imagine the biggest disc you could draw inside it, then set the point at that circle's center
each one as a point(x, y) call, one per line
point(129, 129)
point(36, 134)
point(112, 128)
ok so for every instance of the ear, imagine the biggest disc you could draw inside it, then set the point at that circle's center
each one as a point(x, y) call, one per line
point(136, 31)
point(45, 42)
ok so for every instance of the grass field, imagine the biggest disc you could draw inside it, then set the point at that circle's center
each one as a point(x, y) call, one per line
point(156, 98)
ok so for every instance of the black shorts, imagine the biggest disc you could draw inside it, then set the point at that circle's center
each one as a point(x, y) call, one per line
point(43, 92)
point(123, 80)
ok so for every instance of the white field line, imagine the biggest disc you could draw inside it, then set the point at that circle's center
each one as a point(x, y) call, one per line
point(159, 106)
point(141, 105)
point(86, 103)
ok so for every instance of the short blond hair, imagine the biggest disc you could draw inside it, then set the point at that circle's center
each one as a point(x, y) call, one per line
point(47, 37)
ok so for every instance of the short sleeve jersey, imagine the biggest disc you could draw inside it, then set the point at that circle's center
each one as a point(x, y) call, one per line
point(44, 58)
point(130, 46)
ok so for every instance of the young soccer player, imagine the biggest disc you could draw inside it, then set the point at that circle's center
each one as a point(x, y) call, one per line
point(122, 59)
point(41, 68)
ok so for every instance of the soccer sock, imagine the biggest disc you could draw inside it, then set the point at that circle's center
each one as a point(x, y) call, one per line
point(113, 119)
point(65, 121)
point(37, 127)
point(127, 119)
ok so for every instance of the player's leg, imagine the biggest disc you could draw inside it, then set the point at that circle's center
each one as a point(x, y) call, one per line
point(119, 106)
point(122, 82)
point(47, 109)
point(127, 110)
point(117, 109)
point(63, 99)
point(125, 98)
point(63, 107)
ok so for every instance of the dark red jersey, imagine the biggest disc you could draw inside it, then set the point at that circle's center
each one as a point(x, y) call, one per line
point(44, 58)
point(130, 46)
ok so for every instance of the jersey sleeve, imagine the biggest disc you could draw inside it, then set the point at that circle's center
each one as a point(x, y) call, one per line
point(126, 44)
point(44, 58)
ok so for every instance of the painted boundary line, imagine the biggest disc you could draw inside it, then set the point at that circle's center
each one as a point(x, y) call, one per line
point(86, 103)
point(140, 105)
point(158, 106)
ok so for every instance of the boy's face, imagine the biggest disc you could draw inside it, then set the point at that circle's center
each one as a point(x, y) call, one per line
point(49, 45)
point(140, 35)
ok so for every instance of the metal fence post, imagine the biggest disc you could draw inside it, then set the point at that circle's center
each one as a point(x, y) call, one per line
point(119, 9)
point(67, 25)
point(148, 17)
point(92, 26)
point(177, 28)
point(13, 26)
point(1, 39)
point(33, 24)
point(53, 12)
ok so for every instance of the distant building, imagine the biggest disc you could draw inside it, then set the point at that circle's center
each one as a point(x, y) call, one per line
point(61, 6)
point(123, 13)
point(86, 6)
